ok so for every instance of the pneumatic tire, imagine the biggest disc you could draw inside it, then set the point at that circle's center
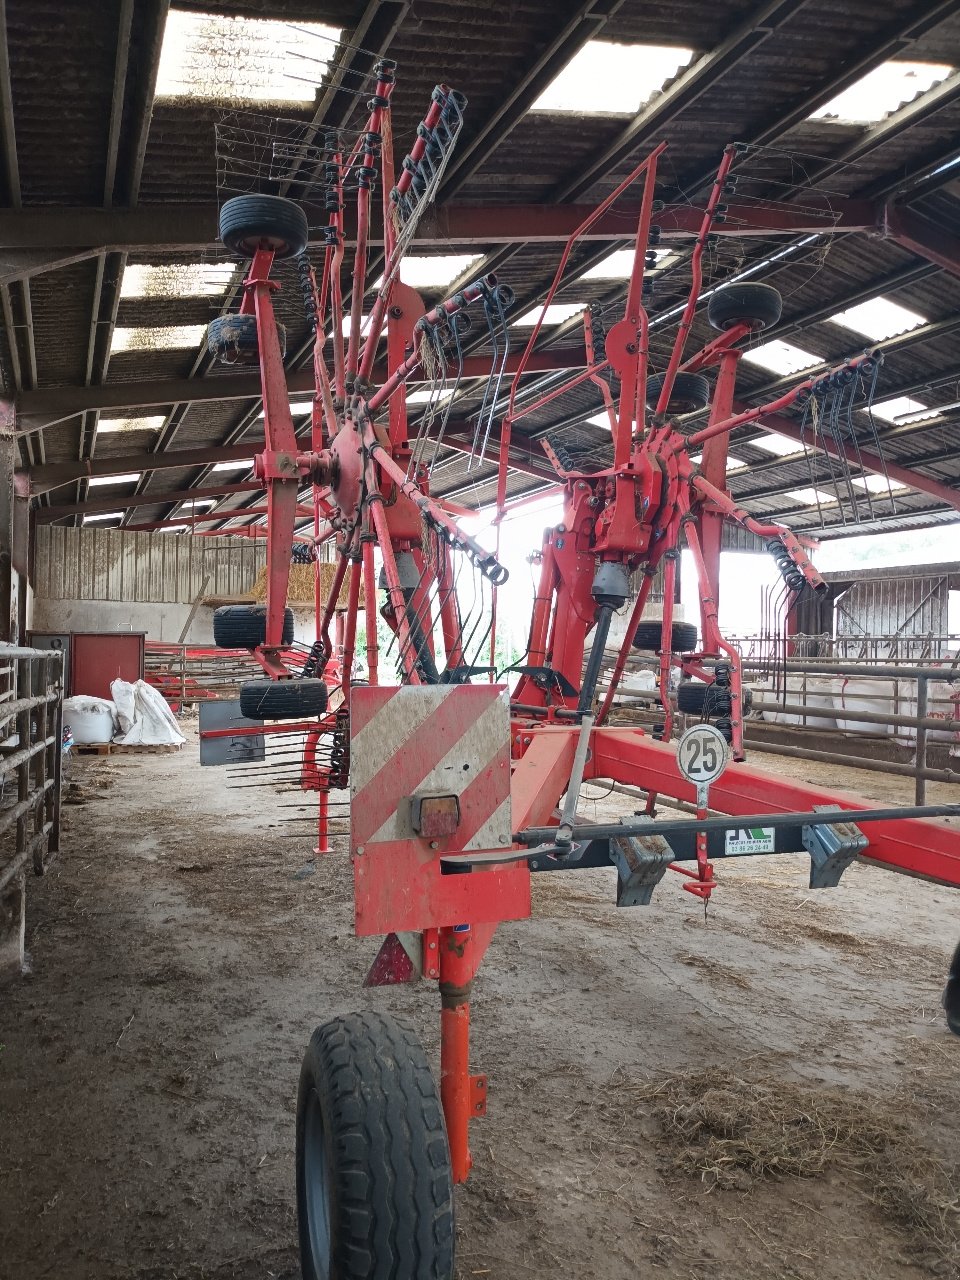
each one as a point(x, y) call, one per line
point(690, 392)
point(299, 698)
point(233, 339)
point(698, 699)
point(249, 223)
point(374, 1180)
point(951, 995)
point(244, 626)
point(649, 636)
point(760, 305)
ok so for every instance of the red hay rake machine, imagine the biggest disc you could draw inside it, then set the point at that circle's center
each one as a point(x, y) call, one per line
point(460, 787)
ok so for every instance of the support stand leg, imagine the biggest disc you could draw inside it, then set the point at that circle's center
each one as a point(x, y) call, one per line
point(463, 1096)
point(323, 818)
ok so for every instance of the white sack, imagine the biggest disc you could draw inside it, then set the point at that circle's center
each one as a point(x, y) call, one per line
point(89, 719)
point(152, 722)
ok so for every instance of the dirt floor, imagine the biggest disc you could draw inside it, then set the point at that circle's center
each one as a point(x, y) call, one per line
point(767, 1092)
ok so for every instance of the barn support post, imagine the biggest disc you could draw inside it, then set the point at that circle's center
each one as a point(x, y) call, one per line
point(9, 575)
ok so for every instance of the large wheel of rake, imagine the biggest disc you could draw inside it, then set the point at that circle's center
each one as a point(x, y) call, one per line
point(244, 626)
point(249, 223)
point(690, 392)
point(696, 698)
point(951, 995)
point(760, 305)
point(649, 636)
point(233, 339)
point(296, 699)
point(374, 1181)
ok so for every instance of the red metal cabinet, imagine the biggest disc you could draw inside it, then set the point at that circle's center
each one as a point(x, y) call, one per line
point(97, 657)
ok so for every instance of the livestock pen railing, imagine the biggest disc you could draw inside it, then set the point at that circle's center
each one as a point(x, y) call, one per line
point(31, 739)
point(865, 647)
point(190, 674)
point(858, 708)
point(187, 674)
point(910, 704)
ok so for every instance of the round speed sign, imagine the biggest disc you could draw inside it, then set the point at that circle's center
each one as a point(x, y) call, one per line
point(702, 754)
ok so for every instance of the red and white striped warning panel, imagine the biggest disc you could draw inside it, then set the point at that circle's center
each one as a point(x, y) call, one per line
point(430, 774)
point(420, 741)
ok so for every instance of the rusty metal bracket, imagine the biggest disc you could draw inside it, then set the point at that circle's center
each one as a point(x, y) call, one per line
point(832, 847)
point(478, 1095)
point(641, 862)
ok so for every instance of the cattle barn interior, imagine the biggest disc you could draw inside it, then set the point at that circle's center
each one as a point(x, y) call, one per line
point(479, 639)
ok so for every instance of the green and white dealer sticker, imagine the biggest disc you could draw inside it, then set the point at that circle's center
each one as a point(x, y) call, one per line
point(750, 840)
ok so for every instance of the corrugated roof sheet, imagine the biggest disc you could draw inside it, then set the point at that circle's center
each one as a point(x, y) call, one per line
point(62, 88)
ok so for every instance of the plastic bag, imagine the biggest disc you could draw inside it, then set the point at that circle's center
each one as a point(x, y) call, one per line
point(145, 718)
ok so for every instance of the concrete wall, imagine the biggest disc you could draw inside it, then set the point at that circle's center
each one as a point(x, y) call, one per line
point(159, 621)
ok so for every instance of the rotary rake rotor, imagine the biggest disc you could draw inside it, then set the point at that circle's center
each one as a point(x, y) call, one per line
point(461, 787)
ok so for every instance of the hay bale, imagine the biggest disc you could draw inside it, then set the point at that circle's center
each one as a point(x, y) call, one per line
point(300, 588)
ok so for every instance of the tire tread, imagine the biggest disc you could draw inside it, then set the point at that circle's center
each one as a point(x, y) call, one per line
point(395, 1219)
point(298, 698)
point(244, 626)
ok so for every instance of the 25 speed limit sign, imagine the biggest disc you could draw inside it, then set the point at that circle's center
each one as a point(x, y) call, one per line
point(702, 754)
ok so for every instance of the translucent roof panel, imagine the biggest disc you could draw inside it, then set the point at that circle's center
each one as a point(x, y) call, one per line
point(781, 357)
point(422, 272)
point(129, 478)
point(611, 79)
point(733, 464)
point(102, 517)
point(244, 465)
point(774, 442)
point(810, 497)
point(600, 420)
point(619, 265)
point(902, 407)
point(215, 58)
point(364, 326)
point(882, 91)
point(298, 407)
point(874, 483)
point(177, 280)
point(158, 337)
point(145, 422)
point(425, 396)
point(556, 313)
point(879, 318)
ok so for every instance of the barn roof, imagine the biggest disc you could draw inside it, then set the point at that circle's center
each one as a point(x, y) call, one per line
point(111, 169)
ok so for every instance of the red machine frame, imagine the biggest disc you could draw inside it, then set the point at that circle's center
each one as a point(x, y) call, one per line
point(369, 494)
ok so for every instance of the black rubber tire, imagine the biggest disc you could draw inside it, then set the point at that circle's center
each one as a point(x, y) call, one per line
point(760, 305)
point(244, 626)
point(691, 391)
point(698, 699)
point(233, 339)
point(249, 223)
point(374, 1182)
point(951, 995)
point(683, 637)
point(294, 699)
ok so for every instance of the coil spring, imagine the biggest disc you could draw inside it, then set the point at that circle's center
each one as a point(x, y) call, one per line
point(599, 330)
point(305, 280)
point(563, 454)
point(484, 562)
point(315, 661)
point(790, 573)
point(339, 774)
